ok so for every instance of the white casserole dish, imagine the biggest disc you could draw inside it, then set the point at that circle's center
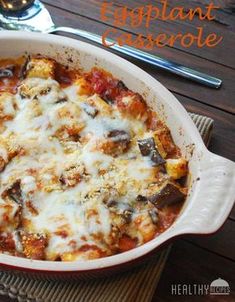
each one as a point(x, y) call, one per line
point(212, 189)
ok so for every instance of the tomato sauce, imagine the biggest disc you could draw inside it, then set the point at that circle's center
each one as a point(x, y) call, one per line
point(167, 217)
point(105, 85)
point(7, 243)
point(126, 243)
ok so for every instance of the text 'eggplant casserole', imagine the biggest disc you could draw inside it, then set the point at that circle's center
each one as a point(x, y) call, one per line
point(87, 169)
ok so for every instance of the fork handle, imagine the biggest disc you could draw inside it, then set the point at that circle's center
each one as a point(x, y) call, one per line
point(170, 66)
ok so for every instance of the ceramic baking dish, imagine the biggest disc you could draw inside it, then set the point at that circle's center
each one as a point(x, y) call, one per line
point(212, 178)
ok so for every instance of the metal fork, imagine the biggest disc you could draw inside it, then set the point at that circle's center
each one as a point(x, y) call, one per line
point(36, 18)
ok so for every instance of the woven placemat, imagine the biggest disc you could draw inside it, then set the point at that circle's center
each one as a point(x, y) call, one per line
point(137, 285)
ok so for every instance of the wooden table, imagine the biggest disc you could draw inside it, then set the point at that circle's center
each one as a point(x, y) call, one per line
point(193, 260)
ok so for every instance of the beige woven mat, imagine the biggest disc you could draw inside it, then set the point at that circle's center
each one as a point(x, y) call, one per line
point(137, 285)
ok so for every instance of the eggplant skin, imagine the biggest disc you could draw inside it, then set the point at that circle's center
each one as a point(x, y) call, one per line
point(14, 192)
point(168, 195)
point(148, 148)
point(7, 72)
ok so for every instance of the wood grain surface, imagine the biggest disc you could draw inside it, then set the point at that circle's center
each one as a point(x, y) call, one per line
point(193, 260)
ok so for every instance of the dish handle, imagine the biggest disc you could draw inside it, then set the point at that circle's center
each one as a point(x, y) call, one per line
point(213, 198)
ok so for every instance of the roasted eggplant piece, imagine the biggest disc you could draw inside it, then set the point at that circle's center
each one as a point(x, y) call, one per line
point(117, 142)
point(141, 198)
point(127, 215)
point(148, 148)
point(119, 136)
point(23, 71)
point(177, 168)
point(7, 72)
point(111, 203)
point(164, 136)
point(168, 195)
point(90, 110)
point(153, 213)
point(125, 211)
point(61, 100)
point(14, 192)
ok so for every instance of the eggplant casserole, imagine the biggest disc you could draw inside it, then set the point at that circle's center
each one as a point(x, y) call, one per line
point(87, 169)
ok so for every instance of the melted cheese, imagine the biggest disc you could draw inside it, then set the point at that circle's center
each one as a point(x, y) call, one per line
point(55, 130)
point(33, 128)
